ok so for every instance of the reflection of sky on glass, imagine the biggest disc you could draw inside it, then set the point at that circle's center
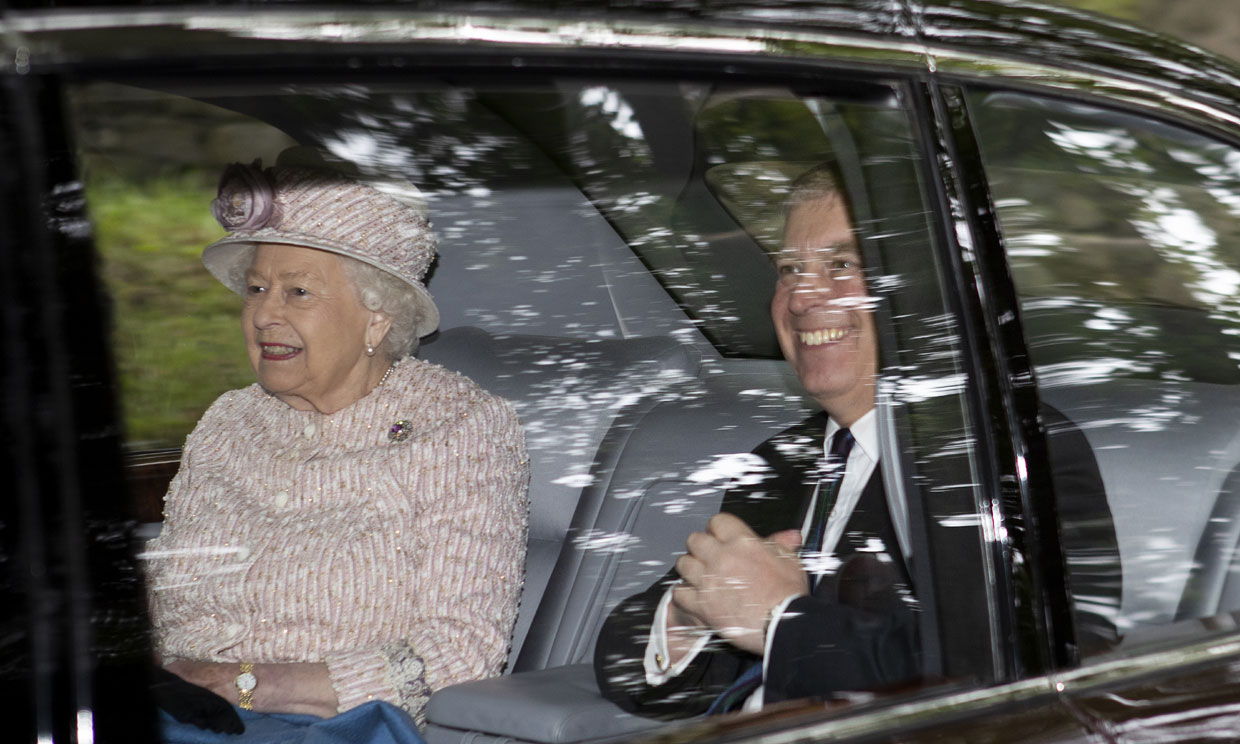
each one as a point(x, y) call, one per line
point(614, 107)
point(739, 468)
point(915, 389)
point(886, 283)
point(352, 146)
point(1221, 178)
point(1182, 237)
point(1088, 371)
point(1034, 245)
point(1108, 319)
point(606, 542)
point(1112, 147)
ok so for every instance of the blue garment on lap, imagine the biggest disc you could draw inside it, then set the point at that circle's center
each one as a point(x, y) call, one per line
point(375, 722)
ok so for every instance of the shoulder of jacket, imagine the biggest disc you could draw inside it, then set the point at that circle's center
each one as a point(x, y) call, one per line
point(457, 393)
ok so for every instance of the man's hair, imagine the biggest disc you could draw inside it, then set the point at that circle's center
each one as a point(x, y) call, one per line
point(822, 180)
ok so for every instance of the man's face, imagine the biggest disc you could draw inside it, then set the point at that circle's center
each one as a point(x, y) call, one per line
point(822, 313)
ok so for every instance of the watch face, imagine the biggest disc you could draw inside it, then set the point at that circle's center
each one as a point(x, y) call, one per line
point(246, 682)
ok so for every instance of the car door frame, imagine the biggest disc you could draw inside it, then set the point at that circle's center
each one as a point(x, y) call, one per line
point(76, 651)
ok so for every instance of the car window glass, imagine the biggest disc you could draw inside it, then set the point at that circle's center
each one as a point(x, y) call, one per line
point(150, 164)
point(605, 262)
point(1123, 238)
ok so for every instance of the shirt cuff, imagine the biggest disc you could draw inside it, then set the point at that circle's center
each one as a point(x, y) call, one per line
point(755, 701)
point(657, 669)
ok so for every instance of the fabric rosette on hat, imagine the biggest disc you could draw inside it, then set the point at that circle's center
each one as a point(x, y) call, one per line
point(246, 198)
point(308, 201)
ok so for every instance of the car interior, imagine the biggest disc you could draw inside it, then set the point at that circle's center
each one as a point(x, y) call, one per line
point(1145, 363)
point(633, 418)
point(623, 311)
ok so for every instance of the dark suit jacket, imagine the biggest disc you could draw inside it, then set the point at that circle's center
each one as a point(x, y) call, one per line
point(825, 645)
point(820, 645)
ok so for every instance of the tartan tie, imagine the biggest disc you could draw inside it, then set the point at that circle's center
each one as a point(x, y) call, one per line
point(828, 489)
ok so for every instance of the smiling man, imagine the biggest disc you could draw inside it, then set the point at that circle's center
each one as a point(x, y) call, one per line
point(799, 586)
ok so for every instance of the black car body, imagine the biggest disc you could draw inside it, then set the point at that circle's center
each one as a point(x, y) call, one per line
point(1050, 205)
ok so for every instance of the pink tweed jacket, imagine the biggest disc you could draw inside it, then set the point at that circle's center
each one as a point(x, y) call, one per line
point(296, 536)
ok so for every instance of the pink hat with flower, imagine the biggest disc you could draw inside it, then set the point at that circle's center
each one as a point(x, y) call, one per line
point(308, 202)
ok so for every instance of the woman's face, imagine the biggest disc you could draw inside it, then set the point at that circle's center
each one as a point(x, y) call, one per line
point(306, 329)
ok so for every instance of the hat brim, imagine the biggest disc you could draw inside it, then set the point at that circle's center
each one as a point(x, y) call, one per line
point(221, 256)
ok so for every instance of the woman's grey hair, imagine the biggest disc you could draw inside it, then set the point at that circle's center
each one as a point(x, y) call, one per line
point(385, 293)
point(378, 290)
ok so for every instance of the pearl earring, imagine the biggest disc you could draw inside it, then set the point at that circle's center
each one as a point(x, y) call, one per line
point(370, 350)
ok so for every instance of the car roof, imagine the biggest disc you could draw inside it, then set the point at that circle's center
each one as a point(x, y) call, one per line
point(1015, 39)
point(1012, 29)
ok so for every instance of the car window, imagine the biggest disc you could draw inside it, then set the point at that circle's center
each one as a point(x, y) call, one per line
point(1123, 238)
point(607, 190)
point(149, 163)
point(605, 263)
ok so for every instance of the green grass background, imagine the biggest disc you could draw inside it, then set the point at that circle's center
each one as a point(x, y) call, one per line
point(177, 332)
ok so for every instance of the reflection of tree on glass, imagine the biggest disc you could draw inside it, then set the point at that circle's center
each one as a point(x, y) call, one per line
point(1123, 238)
point(1119, 253)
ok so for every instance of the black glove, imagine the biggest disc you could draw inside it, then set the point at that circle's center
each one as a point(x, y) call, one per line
point(197, 706)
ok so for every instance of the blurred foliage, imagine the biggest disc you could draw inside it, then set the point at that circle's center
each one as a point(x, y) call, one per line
point(1213, 25)
point(1130, 10)
point(177, 337)
point(1121, 239)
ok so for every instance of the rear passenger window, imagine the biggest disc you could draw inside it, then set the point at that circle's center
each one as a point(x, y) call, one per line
point(150, 163)
point(604, 264)
point(1123, 238)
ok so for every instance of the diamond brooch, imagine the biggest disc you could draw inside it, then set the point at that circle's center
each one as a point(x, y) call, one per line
point(400, 431)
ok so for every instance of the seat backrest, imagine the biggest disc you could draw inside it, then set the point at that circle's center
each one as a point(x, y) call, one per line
point(1165, 450)
point(660, 474)
point(1213, 585)
point(670, 449)
point(567, 392)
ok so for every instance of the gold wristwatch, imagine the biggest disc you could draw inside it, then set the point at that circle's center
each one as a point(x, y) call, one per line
point(246, 682)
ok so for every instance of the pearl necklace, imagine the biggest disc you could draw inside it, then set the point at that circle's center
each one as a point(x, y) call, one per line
point(386, 375)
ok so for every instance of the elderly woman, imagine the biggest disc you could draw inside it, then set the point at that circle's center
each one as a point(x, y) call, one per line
point(352, 527)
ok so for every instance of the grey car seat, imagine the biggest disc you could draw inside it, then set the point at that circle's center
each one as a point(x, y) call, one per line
point(629, 453)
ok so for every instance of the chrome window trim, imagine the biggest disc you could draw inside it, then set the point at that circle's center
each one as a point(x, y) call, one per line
point(1109, 672)
point(1103, 86)
point(45, 34)
point(33, 39)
